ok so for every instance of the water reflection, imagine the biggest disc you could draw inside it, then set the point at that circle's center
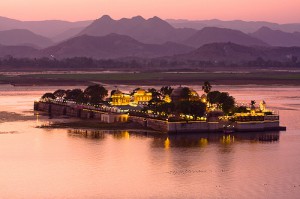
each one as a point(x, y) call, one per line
point(122, 135)
point(205, 139)
point(93, 134)
point(60, 163)
point(188, 140)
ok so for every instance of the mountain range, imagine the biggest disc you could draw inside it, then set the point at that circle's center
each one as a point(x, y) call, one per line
point(114, 46)
point(230, 52)
point(244, 26)
point(277, 37)
point(111, 46)
point(23, 37)
point(219, 35)
point(47, 28)
point(152, 31)
point(106, 38)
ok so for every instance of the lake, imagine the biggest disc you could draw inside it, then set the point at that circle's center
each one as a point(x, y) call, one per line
point(60, 163)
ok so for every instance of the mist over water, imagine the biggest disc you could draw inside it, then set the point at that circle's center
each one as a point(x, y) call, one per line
point(63, 163)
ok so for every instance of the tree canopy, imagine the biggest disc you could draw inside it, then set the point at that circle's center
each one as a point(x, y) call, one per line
point(166, 90)
point(194, 108)
point(60, 93)
point(73, 94)
point(48, 96)
point(95, 93)
point(222, 99)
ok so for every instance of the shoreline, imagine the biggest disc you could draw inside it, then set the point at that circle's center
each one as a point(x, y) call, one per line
point(96, 125)
point(153, 78)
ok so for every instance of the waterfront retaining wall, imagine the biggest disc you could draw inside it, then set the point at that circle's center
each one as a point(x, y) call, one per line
point(79, 112)
point(177, 127)
point(155, 124)
point(159, 125)
point(257, 126)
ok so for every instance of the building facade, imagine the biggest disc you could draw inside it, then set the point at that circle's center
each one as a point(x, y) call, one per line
point(120, 99)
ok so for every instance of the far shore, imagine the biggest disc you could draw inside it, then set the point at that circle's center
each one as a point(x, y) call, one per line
point(154, 78)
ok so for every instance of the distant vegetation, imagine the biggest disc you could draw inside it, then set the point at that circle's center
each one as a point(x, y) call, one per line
point(139, 64)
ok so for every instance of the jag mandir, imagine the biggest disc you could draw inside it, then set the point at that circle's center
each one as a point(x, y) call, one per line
point(165, 110)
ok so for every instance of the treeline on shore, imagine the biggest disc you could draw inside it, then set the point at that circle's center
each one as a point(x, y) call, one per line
point(138, 63)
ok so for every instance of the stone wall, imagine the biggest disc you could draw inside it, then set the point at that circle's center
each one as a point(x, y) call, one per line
point(159, 125)
point(155, 124)
point(258, 126)
point(177, 127)
point(269, 125)
point(188, 126)
point(250, 126)
point(76, 111)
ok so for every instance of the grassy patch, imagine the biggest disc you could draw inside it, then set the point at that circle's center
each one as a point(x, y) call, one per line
point(159, 78)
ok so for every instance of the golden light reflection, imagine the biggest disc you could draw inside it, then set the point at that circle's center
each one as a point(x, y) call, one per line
point(228, 139)
point(37, 119)
point(125, 135)
point(167, 143)
point(203, 142)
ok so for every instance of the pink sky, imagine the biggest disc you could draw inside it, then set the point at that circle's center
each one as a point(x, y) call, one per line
point(282, 11)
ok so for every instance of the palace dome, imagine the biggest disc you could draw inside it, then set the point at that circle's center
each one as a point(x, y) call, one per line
point(177, 94)
point(118, 92)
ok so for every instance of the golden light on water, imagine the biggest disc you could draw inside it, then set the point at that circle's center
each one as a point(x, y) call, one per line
point(203, 142)
point(167, 143)
point(228, 139)
point(38, 119)
point(126, 135)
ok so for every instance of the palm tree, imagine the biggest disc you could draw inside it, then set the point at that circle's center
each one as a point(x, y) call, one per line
point(206, 87)
point(166, 90)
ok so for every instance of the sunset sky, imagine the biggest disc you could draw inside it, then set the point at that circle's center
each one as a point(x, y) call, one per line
point(281, 11)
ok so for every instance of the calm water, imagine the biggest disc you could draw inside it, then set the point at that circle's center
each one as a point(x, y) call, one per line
point(40, 163)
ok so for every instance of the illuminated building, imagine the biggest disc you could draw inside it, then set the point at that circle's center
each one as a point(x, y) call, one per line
point(142, 97)
point(203, 98)
point(120, 99)
point(167, 99)
point(262, 106)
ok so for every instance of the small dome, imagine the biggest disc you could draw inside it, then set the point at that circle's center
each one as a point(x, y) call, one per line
point(140, 91)
point(118, 92)
point(177, 92)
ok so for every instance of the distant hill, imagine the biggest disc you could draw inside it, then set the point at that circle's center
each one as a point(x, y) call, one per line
point(112, 46)
point(244, 26)
point(18, 51)
point(237, 53)
point(47, 28)
point(277, 37)
point(153, 30)
point(220, 35)
point(20, 37)
point(68, 34)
